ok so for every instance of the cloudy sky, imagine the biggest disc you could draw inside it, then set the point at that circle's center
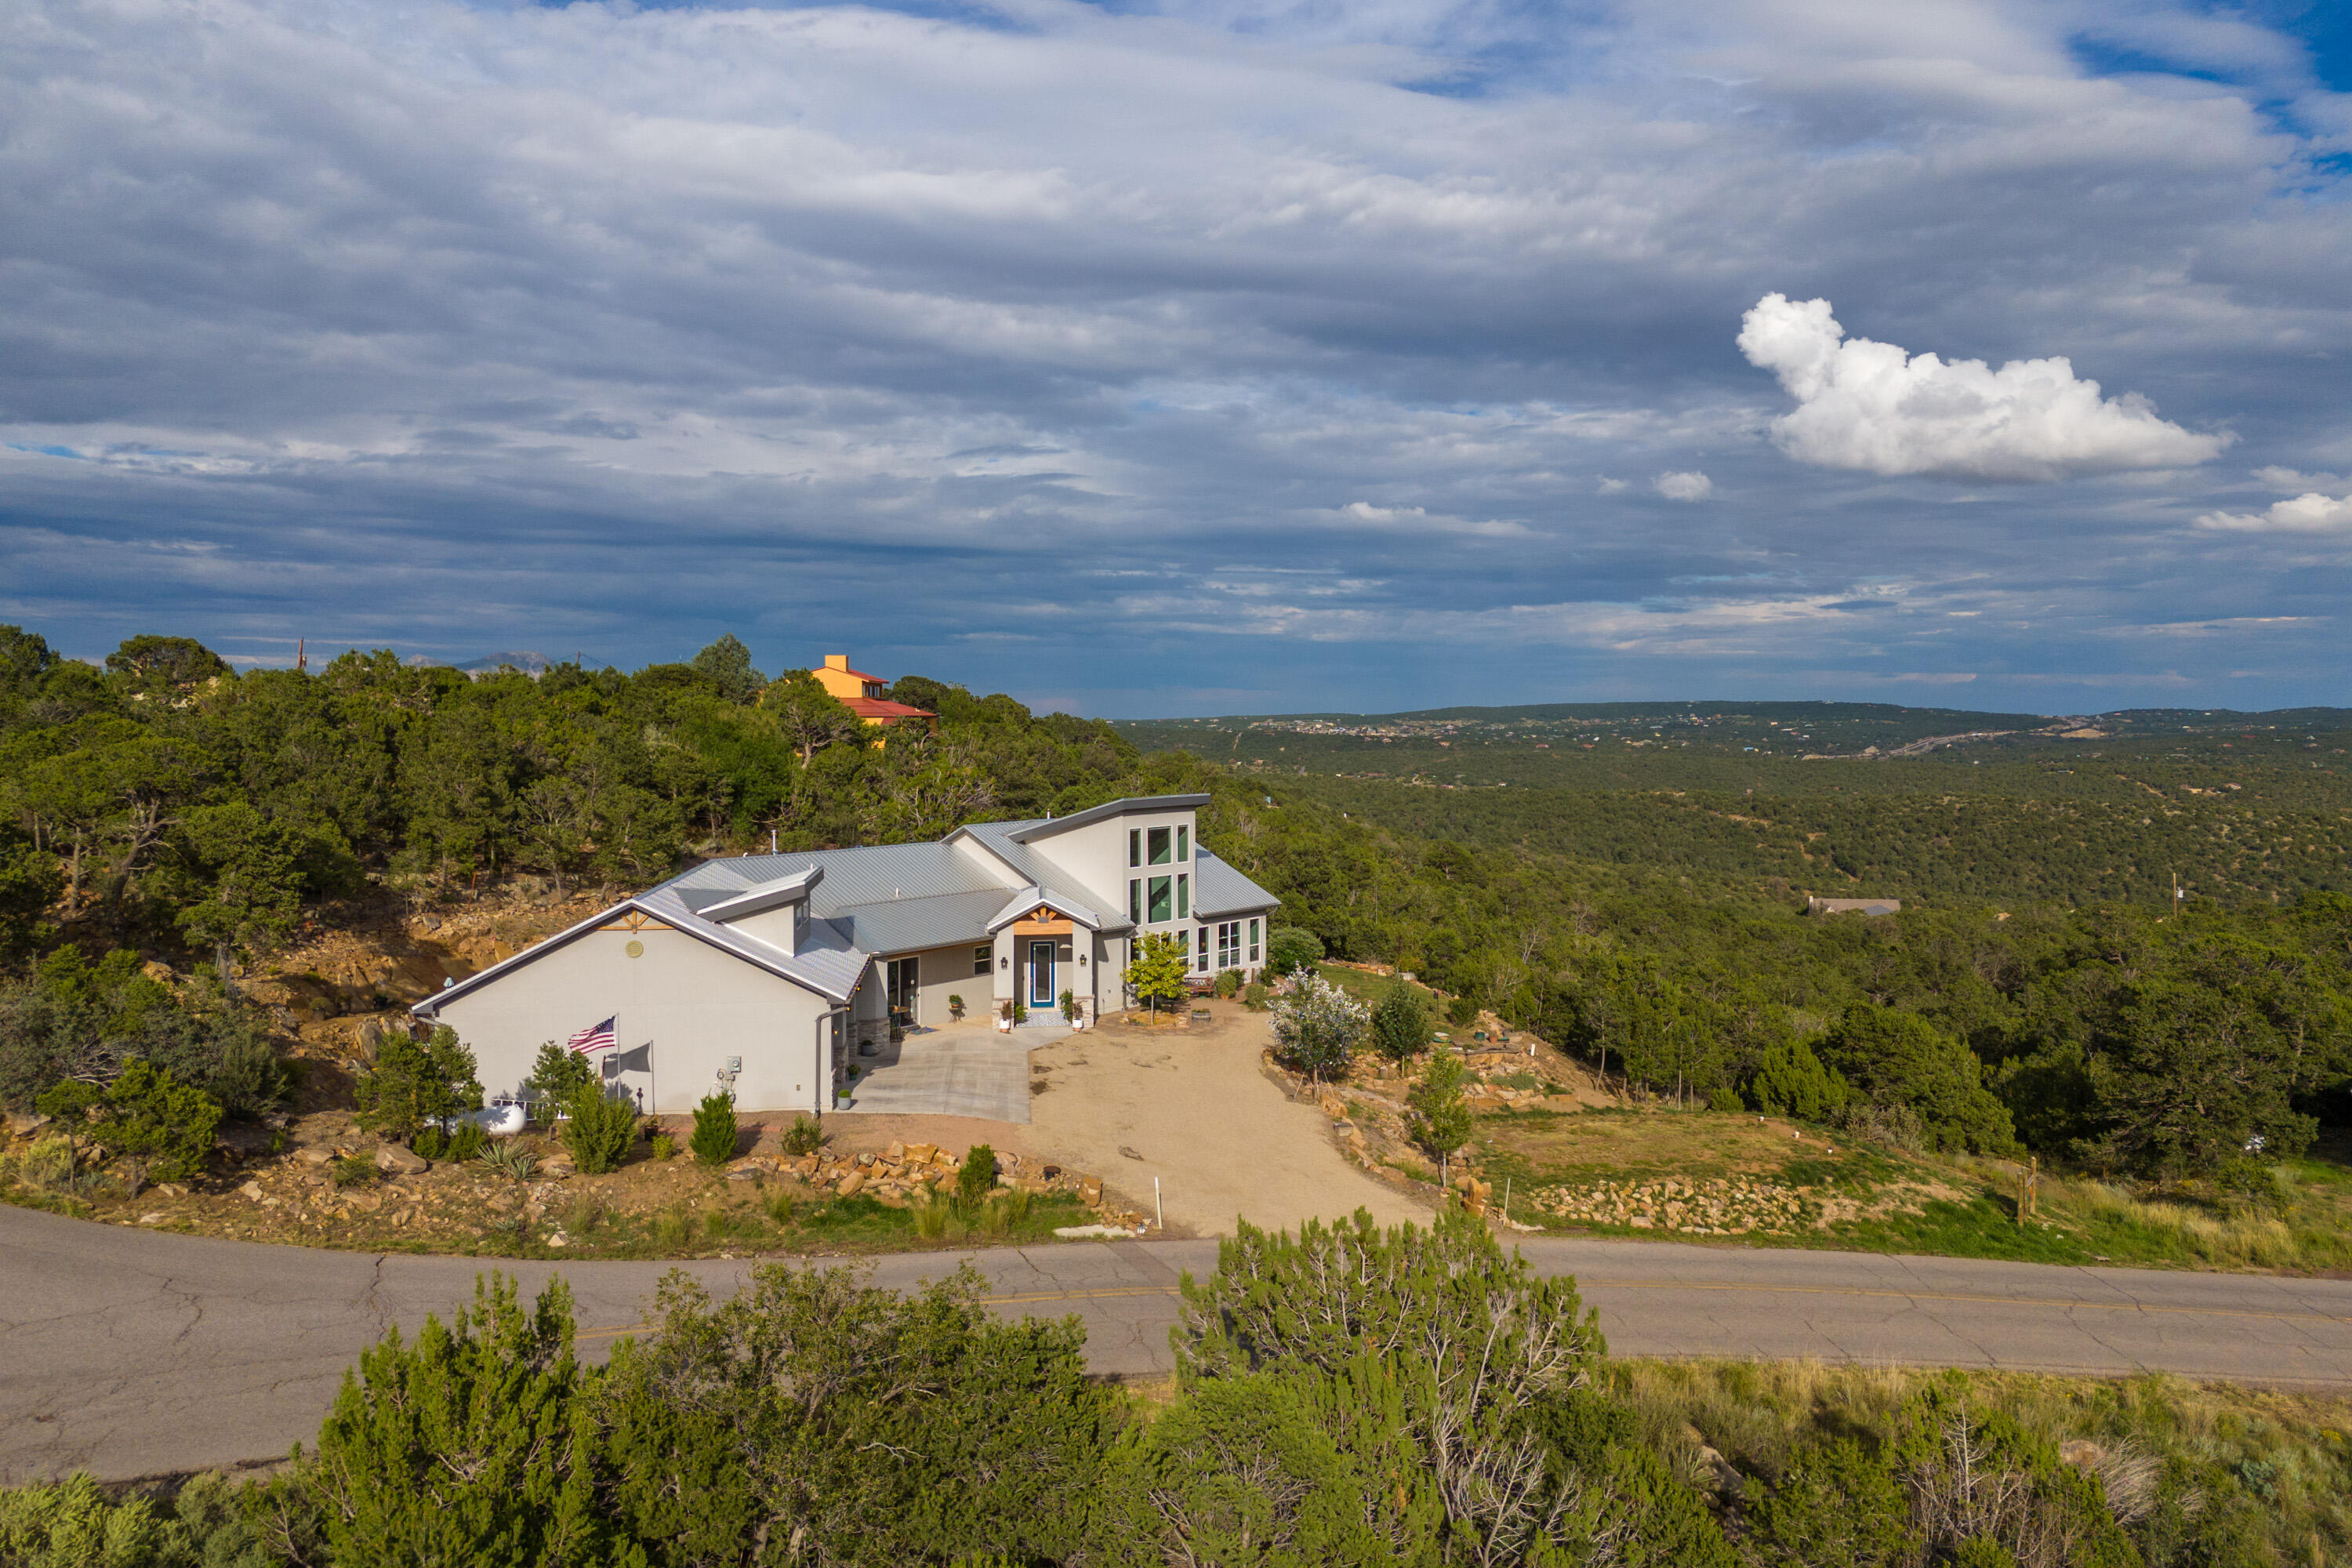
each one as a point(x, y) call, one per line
point(1201, 356)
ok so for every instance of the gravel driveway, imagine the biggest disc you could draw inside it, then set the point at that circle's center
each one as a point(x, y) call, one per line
point(1194, 1108)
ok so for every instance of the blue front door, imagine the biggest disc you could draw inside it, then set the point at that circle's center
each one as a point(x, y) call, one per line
point(1041, 974)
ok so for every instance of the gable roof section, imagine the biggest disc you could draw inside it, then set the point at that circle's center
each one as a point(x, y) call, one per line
point(826, 963)
point(1030, 898)
point(1001, 840)
point(1028, 832)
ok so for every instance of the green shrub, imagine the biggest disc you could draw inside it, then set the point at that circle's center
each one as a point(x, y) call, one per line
point(354, 1171)
point(1317, 1027)
point(1462, 1012)
point(469, 1447)
point(976, 1178)
point(165, 1126)
point(1897, 1059)
point(804, 1136)
point(1724, 1098)
point(713, 1138)
point(1229, 984)
point(661, 1146)
point(600, 1130)
point(415, 1085)
point(1791, 1081)
point(1256, 996)
point(1289, 949)
point(1400, 1023)
point(558, 1073)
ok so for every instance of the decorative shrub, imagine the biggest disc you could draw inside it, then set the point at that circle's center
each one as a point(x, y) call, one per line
point(511, 1161)
point(977, 1178)
point(1289, 949)
point(600, 1130)
point(661, 1146)
point(1229, 983)
point(713, 1141)
point(804, 1136)
point(353, 1171)
point(1315, 1030)
point(415, 1085)
point(955, 1007)
point(1256, 996)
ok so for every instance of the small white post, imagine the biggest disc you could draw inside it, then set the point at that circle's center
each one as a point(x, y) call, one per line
point(1506, 1200)
point(1159, 1213)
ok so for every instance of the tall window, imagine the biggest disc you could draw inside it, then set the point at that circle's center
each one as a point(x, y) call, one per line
point(1184, 846)
point(980, 957)
point(1158, 836)
point(1135, 900)
point(1229, 944)
point(1203, 961)
point(1253, 942)
point(1183, 896)
point(1135, 847)
point(1157, 911)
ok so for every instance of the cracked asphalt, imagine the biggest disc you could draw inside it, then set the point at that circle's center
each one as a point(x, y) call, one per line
point(130, 1353)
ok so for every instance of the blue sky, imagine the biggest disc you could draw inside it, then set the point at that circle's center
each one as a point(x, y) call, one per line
point(1152, 359)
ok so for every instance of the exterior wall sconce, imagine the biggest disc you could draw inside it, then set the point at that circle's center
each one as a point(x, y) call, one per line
point(1004, 964)
point(1082, 960)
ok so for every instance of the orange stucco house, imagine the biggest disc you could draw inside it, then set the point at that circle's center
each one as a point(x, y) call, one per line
point(862, 694)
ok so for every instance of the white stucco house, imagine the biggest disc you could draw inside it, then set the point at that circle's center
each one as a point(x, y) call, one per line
point(761, 974)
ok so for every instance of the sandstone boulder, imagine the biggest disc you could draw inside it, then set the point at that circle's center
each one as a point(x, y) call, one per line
point(401, 1161)
point(850, 1183)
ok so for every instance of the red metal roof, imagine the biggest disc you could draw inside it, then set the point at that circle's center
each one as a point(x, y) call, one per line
point(875, 710)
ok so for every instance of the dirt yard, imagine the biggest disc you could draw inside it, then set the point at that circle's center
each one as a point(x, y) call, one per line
point(1194, 1108)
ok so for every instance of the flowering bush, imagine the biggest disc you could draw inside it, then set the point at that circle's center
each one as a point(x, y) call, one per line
point(1317, 1027)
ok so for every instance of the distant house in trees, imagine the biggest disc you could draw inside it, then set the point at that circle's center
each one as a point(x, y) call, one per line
point(761, 973)
point(862, 694)
point(1853, 906)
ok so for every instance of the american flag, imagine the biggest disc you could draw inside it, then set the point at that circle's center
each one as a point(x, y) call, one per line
point(597, 1037)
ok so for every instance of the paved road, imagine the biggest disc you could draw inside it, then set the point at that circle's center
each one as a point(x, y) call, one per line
point(130, 1354)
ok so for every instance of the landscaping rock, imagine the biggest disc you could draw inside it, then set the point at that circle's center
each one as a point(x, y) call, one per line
point(315, 1156)
point(24, 1124)
point(918, 1154)
point(401, 1161)
point(850, 1183)
point(252, 1190)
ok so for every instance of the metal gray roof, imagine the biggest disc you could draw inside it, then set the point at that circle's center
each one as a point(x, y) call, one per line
point(1027, 831)
point(1219, 888)
point(827, 962)
point(886, 898)
point(896, 897)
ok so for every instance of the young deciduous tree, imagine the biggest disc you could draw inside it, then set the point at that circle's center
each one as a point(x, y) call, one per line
point(1156, 975)
point(1317, 1027)
point(1441, 1115)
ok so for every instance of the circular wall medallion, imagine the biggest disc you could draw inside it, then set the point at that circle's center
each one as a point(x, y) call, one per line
point(636, 948)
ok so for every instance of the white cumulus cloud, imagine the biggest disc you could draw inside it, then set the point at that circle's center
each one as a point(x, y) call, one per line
point(1687, 485)
point(1874, 406)
point(2311, 513)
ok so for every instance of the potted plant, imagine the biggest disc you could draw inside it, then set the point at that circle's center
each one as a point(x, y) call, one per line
point(841, 1091)
point(1004, 1017)
point(1019, 1011)
point(1072, 1014)
point(955, 1008)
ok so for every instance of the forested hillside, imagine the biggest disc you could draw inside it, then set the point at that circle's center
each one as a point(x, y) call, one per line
point(2038, 988)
